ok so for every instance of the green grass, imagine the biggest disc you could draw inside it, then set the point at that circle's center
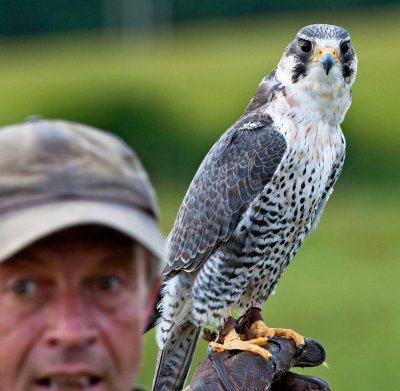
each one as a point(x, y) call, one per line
point(173, 95)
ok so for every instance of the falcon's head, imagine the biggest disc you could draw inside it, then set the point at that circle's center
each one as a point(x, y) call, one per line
point(320, 57)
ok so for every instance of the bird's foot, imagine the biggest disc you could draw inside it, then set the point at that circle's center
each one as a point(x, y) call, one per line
point(249, 334)
point(252, 324)
point(229, 339)
point(260, 330)
point(232, 341)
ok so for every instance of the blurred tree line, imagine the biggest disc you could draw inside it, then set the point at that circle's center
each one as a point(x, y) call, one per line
point(22, 17)
point(172, 95)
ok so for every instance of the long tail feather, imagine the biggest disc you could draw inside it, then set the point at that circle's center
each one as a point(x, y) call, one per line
point(174, 359)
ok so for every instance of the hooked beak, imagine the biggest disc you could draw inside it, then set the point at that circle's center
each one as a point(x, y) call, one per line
point(327, 57)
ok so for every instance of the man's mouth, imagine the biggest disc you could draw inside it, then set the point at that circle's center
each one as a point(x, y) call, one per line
point(66, 382)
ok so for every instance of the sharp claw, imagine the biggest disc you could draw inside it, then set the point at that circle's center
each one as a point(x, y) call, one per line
point(273, 363)
point(274, 342)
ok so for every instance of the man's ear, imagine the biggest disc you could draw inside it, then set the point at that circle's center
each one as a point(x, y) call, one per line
point(152, 297)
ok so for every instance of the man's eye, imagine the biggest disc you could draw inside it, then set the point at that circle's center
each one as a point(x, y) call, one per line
point(108, 283)
point(24, 288)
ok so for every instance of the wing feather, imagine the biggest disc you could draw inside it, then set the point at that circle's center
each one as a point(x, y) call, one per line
point(232, 174)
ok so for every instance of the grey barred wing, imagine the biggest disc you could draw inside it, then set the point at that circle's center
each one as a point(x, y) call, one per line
point(232, 174)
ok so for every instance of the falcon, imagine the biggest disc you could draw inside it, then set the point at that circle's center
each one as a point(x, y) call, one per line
point(258, 193)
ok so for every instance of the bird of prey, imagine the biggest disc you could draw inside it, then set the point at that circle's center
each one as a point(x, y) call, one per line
point(257, 194)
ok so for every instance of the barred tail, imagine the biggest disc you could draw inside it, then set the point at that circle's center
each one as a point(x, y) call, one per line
point(174, 359)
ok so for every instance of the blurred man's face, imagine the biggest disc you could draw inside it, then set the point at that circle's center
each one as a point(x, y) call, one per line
point(72, 311)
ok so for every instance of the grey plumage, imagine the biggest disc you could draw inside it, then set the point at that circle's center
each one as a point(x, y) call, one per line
point(257, 194)
point(237, 168)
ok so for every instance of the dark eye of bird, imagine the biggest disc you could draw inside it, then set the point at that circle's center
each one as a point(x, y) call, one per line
point(345, 47)
point(305, 46)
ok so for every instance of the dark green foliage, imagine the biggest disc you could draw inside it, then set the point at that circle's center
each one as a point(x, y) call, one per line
point(22, 17)
point(143, 124)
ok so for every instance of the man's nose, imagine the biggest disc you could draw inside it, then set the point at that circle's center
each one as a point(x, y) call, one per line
point(70, 324)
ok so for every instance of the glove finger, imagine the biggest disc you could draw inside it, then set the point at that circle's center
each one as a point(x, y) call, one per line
point(312, 355)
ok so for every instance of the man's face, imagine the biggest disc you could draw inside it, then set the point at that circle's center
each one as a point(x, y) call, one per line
point(72, 311)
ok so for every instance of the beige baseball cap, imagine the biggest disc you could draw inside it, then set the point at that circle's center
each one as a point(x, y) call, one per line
point(59, 174)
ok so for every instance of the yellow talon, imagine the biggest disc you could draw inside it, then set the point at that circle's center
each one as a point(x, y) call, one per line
point(232, 341)
point(258, 332)
point(260, 329)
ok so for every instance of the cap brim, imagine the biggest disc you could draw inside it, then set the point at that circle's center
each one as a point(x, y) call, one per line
point(21, 228)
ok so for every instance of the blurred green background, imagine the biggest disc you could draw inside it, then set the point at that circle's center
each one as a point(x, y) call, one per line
point(171, 84)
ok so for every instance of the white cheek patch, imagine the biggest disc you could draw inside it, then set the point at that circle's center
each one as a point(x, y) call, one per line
point(285, 68)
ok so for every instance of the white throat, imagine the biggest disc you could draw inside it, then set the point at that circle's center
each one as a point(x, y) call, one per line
point(317, 95)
